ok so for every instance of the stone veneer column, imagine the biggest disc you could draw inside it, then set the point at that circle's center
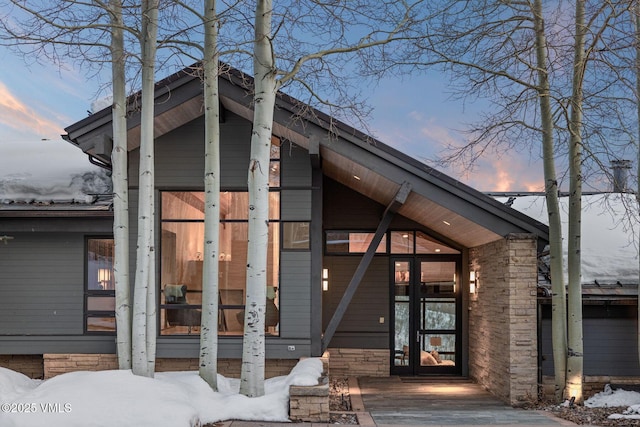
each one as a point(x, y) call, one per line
point(503, 318)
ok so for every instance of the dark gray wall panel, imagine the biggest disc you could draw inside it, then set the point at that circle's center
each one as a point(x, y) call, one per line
point(296, 165)
point(58, 344)
point(179, 156)
point(295, 205)
point(295, 294)
point(276, 348)
point(42, 284)
point(361, 322)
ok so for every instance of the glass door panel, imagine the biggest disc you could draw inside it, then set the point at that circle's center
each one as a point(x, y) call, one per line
point(426, 316)
point(437, 316)
point(402, 310)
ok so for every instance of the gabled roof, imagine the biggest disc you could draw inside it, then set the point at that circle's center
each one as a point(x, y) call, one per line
point(450, 208)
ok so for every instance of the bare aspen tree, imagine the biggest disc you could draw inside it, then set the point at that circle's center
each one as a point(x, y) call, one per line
point(144, 304)
point(551, 190)
point(268, 79)
point(209, 329)
point(120, 182)
point(574, 308)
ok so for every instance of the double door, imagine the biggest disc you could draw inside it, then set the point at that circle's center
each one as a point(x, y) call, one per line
point(425, 335)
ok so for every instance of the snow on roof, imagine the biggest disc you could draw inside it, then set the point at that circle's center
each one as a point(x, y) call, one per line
point(69, 191)
point(609, 234)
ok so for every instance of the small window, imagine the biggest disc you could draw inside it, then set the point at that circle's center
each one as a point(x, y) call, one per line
point(402, 242)
point(295, 235)
point(100, 287)
point(352, 242)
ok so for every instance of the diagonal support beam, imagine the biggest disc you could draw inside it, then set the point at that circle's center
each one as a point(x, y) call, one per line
point(389, 213)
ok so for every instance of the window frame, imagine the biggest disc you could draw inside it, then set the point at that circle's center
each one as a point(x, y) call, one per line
point(96, 293)
point(278, 234)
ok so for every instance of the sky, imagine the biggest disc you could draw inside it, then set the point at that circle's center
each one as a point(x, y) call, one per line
point(413, 115)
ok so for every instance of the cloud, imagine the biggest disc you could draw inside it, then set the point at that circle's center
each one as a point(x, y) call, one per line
point(17, 115)
point(512, 172)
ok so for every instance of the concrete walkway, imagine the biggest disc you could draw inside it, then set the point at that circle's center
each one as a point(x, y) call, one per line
point(425, 401)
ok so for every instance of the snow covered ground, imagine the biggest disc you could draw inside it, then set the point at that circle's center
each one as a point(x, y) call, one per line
point(121, 399)
point(617, 398)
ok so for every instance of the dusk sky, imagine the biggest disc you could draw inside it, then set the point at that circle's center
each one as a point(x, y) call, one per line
point(37, 101)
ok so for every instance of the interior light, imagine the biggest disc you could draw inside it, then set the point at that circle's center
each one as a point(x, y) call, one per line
point(356, 177)
point(473, 282)
point(437, 249)
point(325, 279)
point(446, 222)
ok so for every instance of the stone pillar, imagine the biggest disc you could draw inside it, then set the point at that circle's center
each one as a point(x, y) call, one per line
point(309, 403)
point(503, 318)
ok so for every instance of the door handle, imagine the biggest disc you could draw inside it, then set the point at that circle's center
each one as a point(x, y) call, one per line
point(418, 337)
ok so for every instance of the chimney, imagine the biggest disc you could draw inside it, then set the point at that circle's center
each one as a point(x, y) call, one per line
point(620, 168)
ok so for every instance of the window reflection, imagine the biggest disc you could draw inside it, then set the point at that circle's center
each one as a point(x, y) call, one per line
point(182, 249)
point(100, 287)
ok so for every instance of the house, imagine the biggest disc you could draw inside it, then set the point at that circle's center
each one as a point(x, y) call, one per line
point(375, 259)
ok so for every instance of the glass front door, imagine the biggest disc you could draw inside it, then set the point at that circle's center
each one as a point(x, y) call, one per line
point(426, 316)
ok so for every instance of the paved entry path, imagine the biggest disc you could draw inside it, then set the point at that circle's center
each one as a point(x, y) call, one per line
point(425, 401)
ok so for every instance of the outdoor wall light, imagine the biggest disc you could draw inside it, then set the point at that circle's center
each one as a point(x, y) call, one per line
point(325, 279)
point(473, 282)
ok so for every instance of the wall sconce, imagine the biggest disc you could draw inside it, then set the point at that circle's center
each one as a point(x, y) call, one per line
point(473, 282)
point(104, 278)
point(325, 279)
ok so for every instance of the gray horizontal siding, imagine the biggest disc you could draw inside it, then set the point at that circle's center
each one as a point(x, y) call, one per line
point(276, 348)
point(370, 302)
point(42, 284)
point(57, 344)
point(295, 205)
point(295, 295)
point(610, 347)
point(179, 156)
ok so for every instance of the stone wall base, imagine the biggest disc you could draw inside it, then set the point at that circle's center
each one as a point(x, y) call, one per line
point(56, 364)
point(358, 362)
point(309, 403)
point(592, 384)
point(31, 365)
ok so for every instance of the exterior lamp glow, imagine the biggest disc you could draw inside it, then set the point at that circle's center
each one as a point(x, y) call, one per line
point(325, 279)
point(473, 282)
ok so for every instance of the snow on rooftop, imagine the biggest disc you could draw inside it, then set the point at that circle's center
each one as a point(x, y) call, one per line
point(119, 398)
point(77, 187)
point(609, 233)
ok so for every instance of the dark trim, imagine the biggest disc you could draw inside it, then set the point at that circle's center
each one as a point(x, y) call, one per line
point(317, 243)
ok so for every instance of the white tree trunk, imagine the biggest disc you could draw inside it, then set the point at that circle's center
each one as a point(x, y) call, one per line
point(253, 351)
point(209, 322)
point(120, 190)
point(144, 318)
point(559, 301)
point(574, 342)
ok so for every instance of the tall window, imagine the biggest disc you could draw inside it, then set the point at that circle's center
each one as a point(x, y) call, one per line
point(182, 246)
point(100, 289)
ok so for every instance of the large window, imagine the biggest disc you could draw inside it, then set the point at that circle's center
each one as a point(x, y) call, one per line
point(182, 247)
point(100, 289)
